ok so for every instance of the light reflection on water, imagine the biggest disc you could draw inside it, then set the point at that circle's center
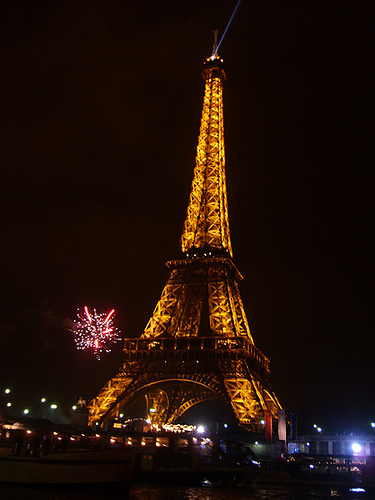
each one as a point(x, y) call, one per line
point(173, 492)
point(272, 492)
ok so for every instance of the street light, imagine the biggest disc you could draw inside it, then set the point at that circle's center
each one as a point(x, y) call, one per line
point(356, 447)
point(7, 391)
point(42, 401)
point(53, 407)
point(26, 411)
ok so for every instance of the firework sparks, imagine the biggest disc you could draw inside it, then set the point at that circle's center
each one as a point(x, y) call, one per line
point(95, 331)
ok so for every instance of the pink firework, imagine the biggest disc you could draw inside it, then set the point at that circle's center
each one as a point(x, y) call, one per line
point(95, 331)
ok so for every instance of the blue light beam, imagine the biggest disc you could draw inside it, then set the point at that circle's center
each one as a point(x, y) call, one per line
point(226, 29)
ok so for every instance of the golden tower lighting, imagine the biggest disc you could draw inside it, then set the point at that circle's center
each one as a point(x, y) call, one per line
point(197, 345)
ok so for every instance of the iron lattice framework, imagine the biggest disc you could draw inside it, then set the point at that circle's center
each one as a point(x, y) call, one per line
point(207, 223)
point(197, 344)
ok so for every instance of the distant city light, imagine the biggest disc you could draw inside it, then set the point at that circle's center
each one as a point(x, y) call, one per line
point(373, 424)
point(225, 426)
point(315, 426)
point(9, 404)
point(7, 391)
point(53, 407)
point(43, 400)
point(256, 443)
point(356, 447)
point(74, 407)
point(26, 411)
point(200, 429)
point(178, 428)
point(319, 429)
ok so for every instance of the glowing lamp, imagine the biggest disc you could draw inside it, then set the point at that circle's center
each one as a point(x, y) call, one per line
point(26, 411)
point(7, 391)
point(43, 400)
point(53, 407)
point(200, 429)
point(356, 447)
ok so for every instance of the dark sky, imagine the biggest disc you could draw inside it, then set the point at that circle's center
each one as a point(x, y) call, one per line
point(100, 108)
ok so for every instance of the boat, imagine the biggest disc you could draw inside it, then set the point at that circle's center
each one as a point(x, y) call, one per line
point(34, 457)
point(326, 468)
point(319, 470)
point(71, 467)
point(187, 458)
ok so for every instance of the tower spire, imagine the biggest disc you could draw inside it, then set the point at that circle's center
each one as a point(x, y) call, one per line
point(206, 226)
point(215, 48)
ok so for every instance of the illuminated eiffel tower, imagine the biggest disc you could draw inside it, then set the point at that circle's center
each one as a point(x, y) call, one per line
point(197, 345)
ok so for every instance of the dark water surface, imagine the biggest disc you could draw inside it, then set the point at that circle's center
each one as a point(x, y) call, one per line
point(174, 492)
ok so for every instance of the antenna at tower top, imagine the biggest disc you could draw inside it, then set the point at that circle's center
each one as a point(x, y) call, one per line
point(214, 48)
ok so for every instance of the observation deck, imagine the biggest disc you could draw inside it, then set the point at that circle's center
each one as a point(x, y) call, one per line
point(196, 349)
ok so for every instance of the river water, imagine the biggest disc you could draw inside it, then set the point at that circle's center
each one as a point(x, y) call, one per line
point(140, 491)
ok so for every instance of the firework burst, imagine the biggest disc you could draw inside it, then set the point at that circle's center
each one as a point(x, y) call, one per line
point(95, 331)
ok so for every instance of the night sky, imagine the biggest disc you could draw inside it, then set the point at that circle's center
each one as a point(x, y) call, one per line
point(100, 111)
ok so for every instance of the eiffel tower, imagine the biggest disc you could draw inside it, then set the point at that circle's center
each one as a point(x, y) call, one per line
point(197, 345)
